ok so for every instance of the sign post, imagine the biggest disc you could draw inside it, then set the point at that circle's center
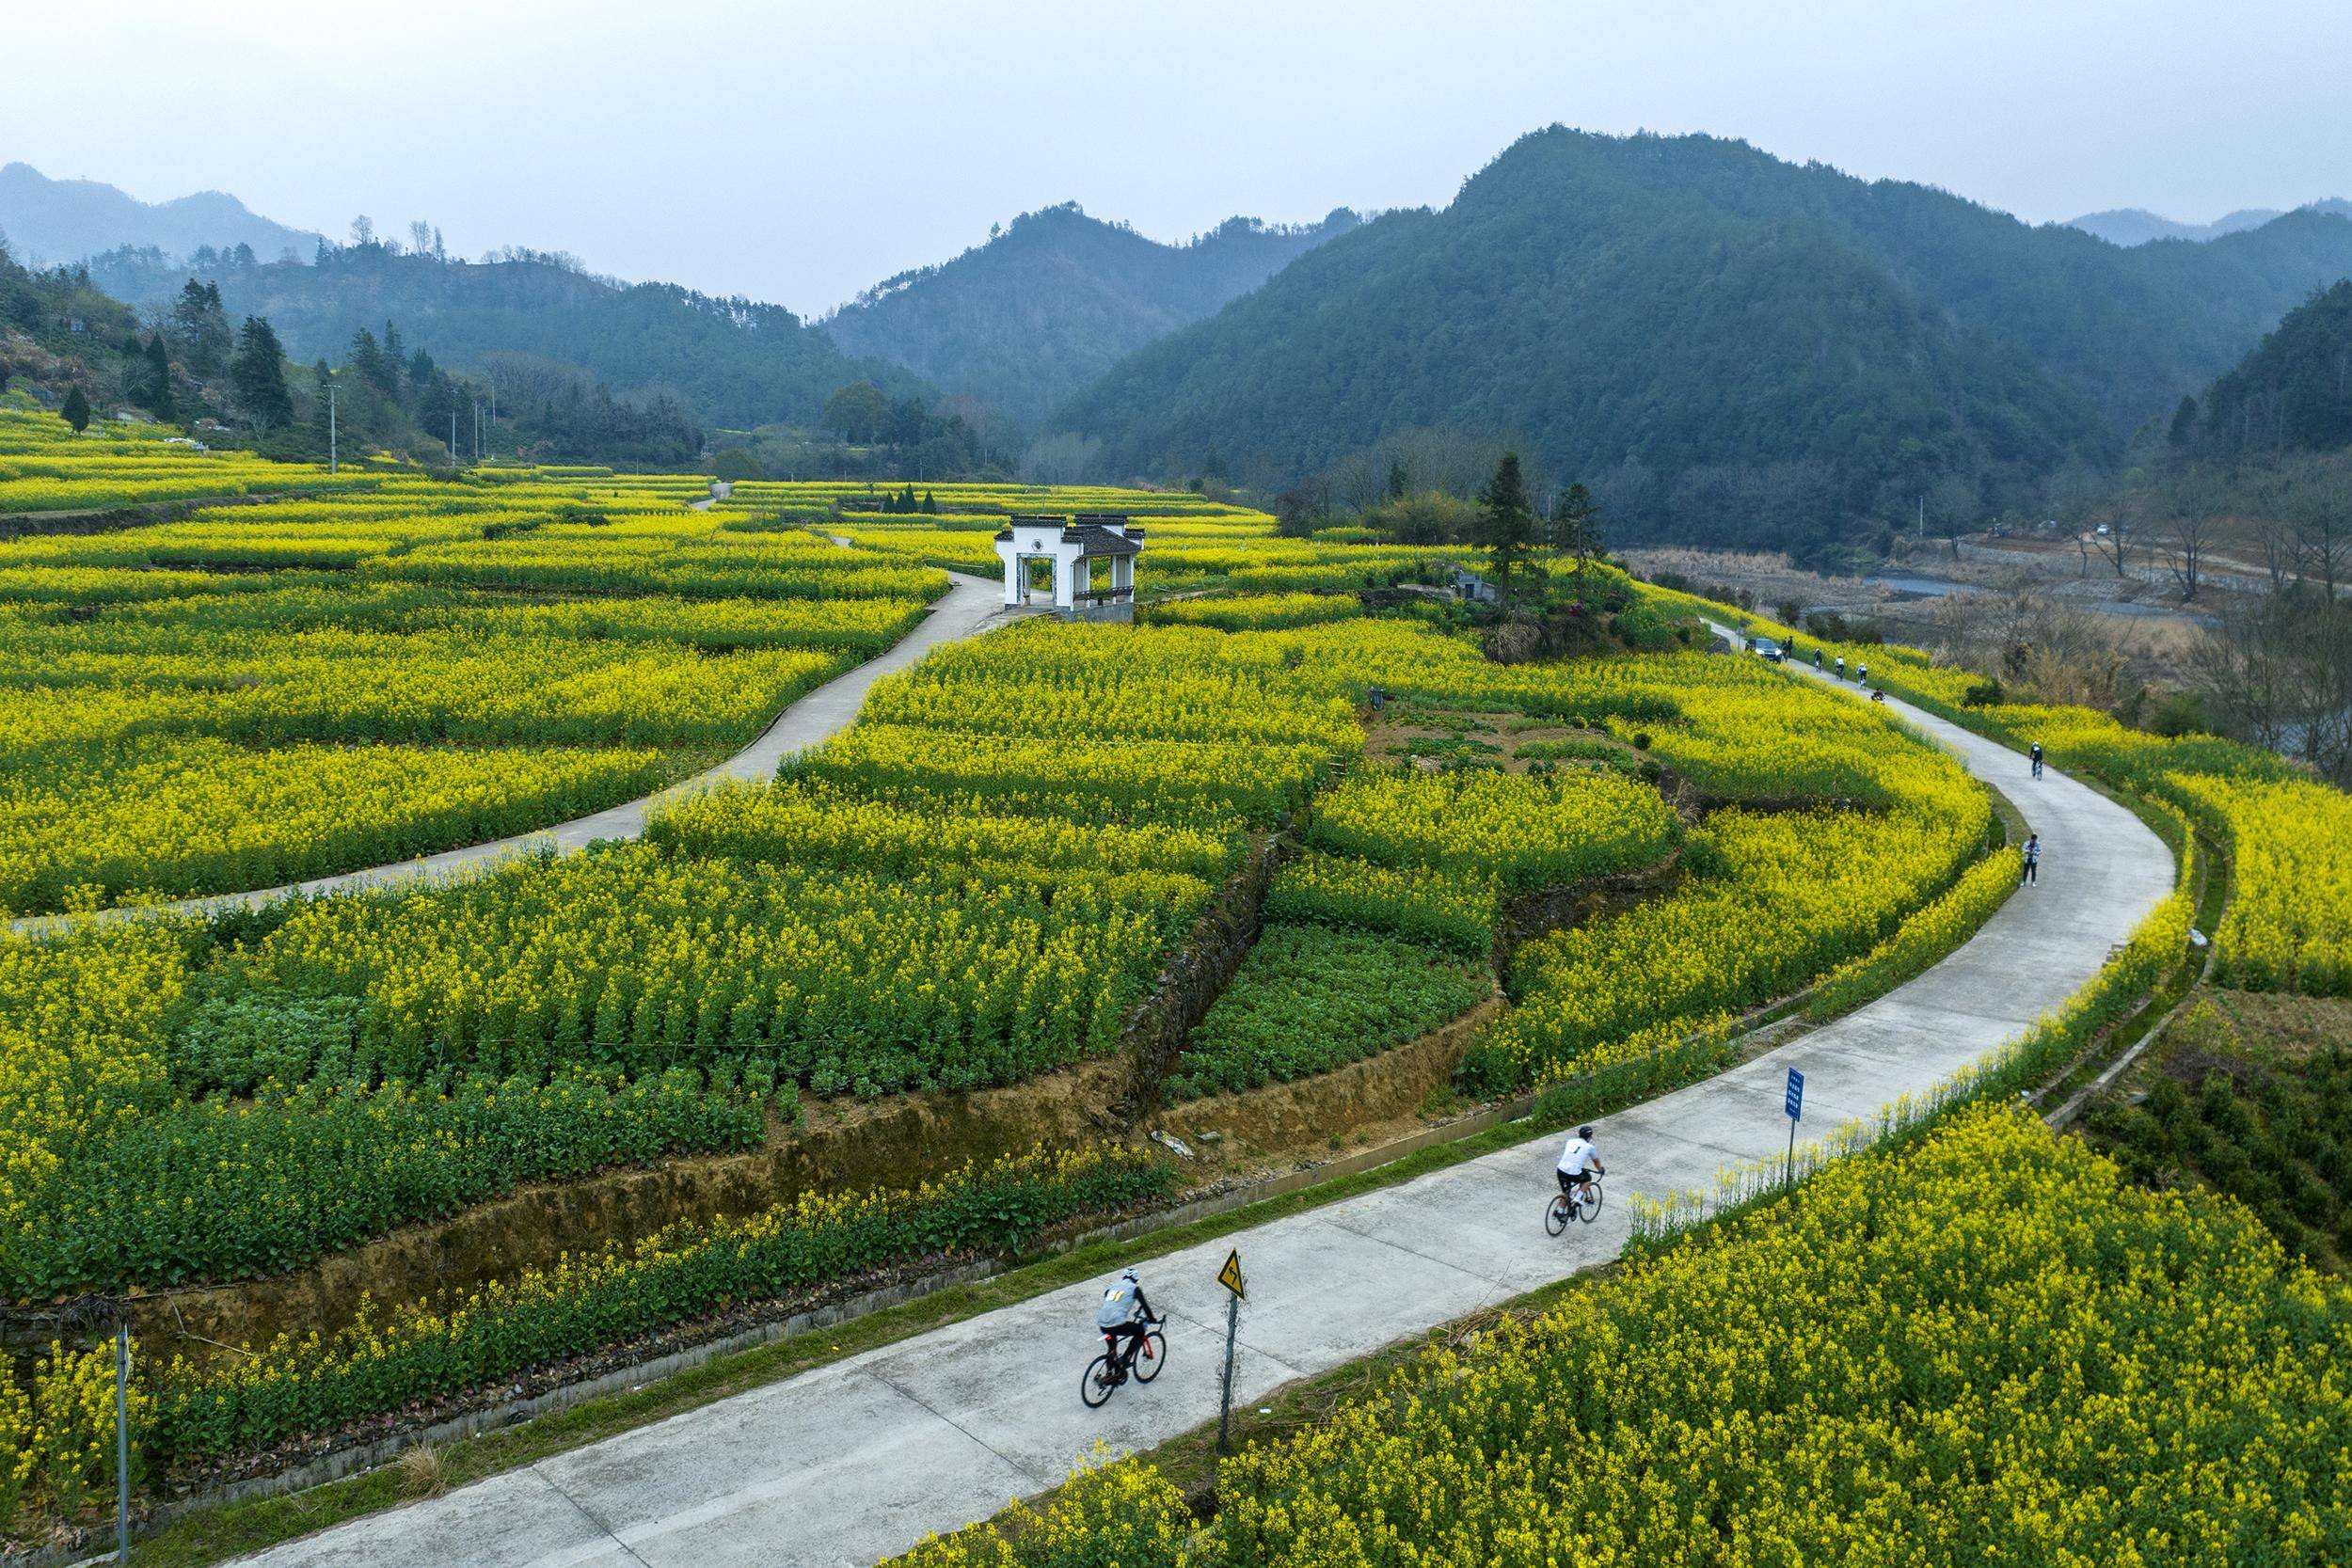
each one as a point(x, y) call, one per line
point(1793, 1103)
point(1229, 1276)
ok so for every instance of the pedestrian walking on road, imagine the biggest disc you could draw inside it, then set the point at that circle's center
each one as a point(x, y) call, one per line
point(2037, 759)
point(2031, 875)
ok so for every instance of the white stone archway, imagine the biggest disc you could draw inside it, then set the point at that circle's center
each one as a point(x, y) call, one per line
point(1074, 544)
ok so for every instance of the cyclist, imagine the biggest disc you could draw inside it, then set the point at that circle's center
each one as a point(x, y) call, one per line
point(1816, 659)
point(2037, 759)
point(1123, 1316)
point(1841, 667)
point(1862, 676)
point(1579, 1162)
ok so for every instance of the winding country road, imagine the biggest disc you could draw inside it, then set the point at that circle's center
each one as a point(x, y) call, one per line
point(964, 611)
point(857, 1460)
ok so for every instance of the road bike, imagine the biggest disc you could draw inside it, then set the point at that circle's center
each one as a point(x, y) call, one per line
point(1565, 1209)
point(1103, 1375)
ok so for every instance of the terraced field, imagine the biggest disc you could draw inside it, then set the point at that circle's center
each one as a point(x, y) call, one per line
point(361, 1162)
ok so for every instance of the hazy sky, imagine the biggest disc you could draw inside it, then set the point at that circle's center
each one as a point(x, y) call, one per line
point(800, 152)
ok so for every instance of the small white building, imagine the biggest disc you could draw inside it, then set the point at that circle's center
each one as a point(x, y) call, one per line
point(1074, 544)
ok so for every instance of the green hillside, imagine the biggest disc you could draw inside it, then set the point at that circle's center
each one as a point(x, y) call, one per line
point(2292, 394)
point(1056, 298)
point(736, 361)
point(1736, 348)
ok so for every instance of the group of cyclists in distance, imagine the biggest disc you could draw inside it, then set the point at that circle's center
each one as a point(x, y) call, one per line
point(1125, 1320)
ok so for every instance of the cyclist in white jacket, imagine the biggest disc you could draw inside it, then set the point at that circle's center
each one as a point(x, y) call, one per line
point(1579, 1162)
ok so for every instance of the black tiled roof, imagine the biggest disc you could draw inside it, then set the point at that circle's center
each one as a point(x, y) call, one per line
point(1097, 540)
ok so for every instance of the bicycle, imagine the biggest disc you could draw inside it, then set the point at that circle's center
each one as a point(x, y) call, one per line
point(1563, 1207)
point(1103, 1375)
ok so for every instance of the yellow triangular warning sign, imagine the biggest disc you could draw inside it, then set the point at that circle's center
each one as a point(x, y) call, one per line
point(1229, 1275)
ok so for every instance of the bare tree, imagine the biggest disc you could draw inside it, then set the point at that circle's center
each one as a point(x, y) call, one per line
point(2044, 648)
point(2114, 530)
point(2244, 667)
point(1360, 479)
point(2323, 531)
point(2281, 549)
point(1068, 458)
point(2190, 524)
point(2277, 671)
point(1955, 508)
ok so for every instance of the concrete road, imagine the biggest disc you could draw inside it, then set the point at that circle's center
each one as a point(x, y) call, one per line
point(968, 606)
point(858, 1460)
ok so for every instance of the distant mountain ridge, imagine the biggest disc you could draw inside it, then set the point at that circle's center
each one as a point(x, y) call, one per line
point(1057, 297)
point(737, 362)
point(53, 222)
point(1750, 346)
point(2137, 226)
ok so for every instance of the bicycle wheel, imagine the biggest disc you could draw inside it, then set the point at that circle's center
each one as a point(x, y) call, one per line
point(1096, 1385)
point(1152, 1357)
point(1556, 1215)
point(1592, 1200)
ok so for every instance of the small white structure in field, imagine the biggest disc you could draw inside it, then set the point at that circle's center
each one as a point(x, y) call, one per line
point(1074, 544)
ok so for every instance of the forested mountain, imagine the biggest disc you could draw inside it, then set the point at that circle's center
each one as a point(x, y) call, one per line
point(1742, 346)
point(51, 221)
point(736, 361)
point(1054, 300)
point(2131, 226)
point(2292, 394)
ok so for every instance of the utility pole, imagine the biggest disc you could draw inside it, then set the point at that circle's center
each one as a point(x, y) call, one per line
point(122, 1440)
point(332, 465)
point(452, 437)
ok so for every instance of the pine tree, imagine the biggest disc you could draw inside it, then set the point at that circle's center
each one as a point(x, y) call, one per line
point(2183, 429)
point(155, 385)
point(1506, 521)
point(77, 410)
point(930, 504)
point(257, 376)
point(1507, 524)
point(1398, 482)
point(367, 361)
point(200, 327)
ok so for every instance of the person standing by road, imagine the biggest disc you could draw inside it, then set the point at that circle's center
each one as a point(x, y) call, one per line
point(2031, 876)
point(2037, 759)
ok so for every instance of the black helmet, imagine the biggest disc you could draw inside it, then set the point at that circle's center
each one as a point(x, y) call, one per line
point(1584, 1133)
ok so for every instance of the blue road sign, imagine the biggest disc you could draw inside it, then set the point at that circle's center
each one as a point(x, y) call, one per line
point(1796, 1093)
